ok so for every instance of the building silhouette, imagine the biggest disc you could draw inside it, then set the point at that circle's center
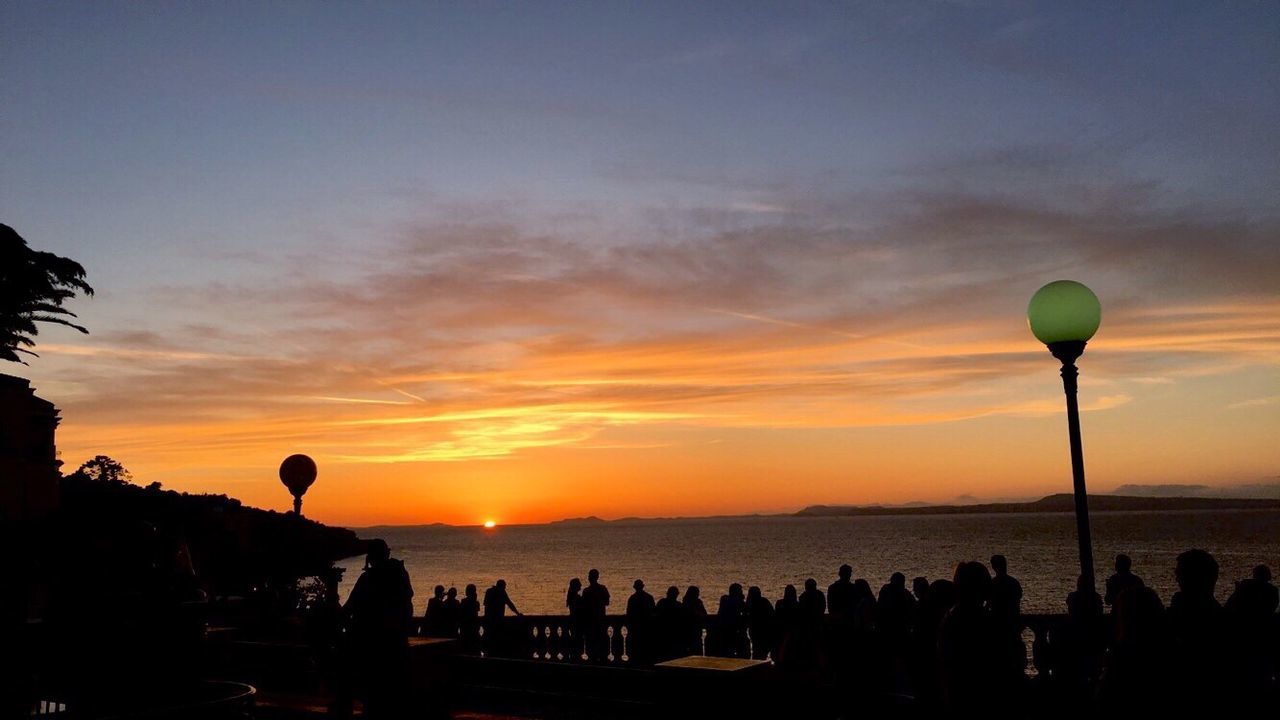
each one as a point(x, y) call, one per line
point(29, 464)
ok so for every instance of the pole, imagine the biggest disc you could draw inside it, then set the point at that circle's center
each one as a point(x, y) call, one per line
point(1067, 352)
point(297, 505)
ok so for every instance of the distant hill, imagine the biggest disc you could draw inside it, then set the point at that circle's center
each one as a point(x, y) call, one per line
point(231, 547)
point(1062, 502)
point(588, 520)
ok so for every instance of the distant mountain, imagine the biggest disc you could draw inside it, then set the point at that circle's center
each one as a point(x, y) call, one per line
point(1247, 490)
point(1063, 502)
point(589, 520)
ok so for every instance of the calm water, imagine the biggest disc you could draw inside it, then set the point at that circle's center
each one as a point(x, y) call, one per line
point(538, 561)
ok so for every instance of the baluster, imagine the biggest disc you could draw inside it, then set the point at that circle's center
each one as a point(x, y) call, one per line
point(559, 642)
point(546, 642)
point(625, 633)
point(1040, 647)
point(536, 654)
point(480, 635)
point(702, 641)
point(609, 634)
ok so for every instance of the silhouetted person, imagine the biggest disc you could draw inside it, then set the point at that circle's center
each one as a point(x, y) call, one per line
point(837, 633)
point(933, 608)
point(640, 611)
point(969, 644)
point(496, 602)
point(920, 587)
point(1006, 593)
point(760, 624)
point(1084, 603)
point(469, 618)
point(1121, 580)
point(449, 614)
point(840, 594)
point(595, 605)
point(1136, 677)
point(431, 625)
point(1199, 631)
point(812, 602)
point(896, 608)
point(1255, 598)
point(787, 621)
point(1251, 612)
point(695, 619)
point(731, 628)
point(1076, 645)
point(380, 618)
point(808, 636)
point(669, 623)
point(864, 606)
point(1006, 611)
point(573, 605)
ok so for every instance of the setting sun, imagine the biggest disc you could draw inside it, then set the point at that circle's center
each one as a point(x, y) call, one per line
point(489, 524)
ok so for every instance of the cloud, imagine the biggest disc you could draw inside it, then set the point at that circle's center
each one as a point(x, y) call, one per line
point(1255, 402)
point(483, 339)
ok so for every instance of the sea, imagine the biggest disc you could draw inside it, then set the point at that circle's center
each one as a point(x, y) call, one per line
point(537, 561)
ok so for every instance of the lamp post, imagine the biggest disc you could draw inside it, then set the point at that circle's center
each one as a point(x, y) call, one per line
point(297, 472)
point(1063, 315)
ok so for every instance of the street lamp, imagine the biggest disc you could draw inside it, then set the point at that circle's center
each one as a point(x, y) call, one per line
point(1063, 315)
point(297, 472)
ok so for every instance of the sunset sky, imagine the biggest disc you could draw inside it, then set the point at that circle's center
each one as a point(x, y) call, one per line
point(528, 261)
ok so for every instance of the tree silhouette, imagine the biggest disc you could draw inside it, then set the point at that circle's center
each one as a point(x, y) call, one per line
point(104, 469)
point(33, 286)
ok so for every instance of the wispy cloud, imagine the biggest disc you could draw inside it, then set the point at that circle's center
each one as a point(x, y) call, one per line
point(477, 341)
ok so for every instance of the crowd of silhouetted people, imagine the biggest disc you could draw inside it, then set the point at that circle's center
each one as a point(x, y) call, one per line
point(957, 642)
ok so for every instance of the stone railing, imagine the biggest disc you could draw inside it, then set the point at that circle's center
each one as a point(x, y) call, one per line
point(551, 638)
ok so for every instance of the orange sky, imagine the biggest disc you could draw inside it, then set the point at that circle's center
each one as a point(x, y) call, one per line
point(754, 416)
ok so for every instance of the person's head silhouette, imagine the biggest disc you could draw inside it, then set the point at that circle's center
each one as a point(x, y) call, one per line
point(378, 553)
point(452, 594)
point(735, 590)
point(470, 590)
point(501, 584)
point(753, 593)
point(575, 585)
point(999, 564)
point(1084, 585)
point(1196, 572)
point(1123, 563)
point(1262, 574)
point(810, 584)
point(898, 580)
point(972, 583)
point(593, 576)
point(438, 592)
point(673, 592)
point(920, 586)
point(789, 593)
point(845, 572)
point(638, 584)
point(691, 593)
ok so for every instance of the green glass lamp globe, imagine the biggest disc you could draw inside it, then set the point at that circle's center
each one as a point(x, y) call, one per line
point(1064, 311)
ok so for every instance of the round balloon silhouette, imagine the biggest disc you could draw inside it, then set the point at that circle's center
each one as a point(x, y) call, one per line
point(297, 473)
